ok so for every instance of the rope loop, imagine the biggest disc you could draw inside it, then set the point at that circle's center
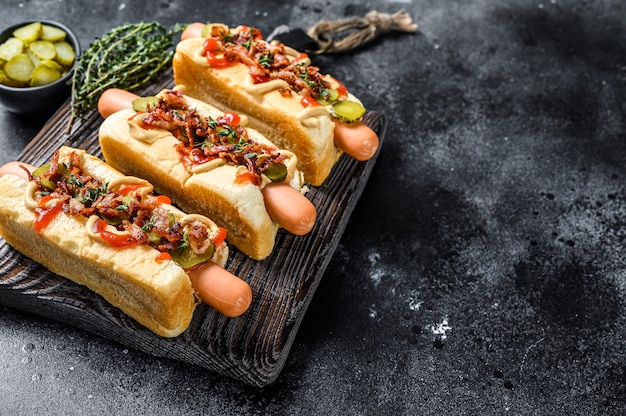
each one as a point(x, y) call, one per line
point(361, 30)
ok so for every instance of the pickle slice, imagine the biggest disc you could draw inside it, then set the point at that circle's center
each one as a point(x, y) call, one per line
point(65, 53)
point(19, 68)
point(52, 33)
point(154, 237)
point(43, 49)
point(4, 79)
point(141, 104)
point(276, 172)
point(348, 111)
point(214, 29)
point(10, 48)
point(28, 33)
point(52, 65)
point(39, 172)
point(33, 57)
point(43, 75)
point(333, 95)
point(188, 259)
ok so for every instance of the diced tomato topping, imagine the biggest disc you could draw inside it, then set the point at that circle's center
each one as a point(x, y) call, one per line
point(244, 178)
point(220, 237)
point(210, 45)
point(307, 101)
point(342, 90)
point(216, 60)
point(164, 256)
point(256, 33)
point(163, 199)
point(232, 118)
point(303, 56)
point(127, 189)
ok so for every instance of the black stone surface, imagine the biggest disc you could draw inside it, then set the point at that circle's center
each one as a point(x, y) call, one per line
point(483, 271)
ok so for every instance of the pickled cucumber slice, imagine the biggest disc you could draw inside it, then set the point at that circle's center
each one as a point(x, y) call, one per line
point(10, 48)
point(19, 68)
point(65, 53)
point(187, 258)
point(4, 79)
point(52, 33)
point(43, 75)
point(52, 65)
point(208, 29)
point(332, 95)
point(28, 33)
point(141, 104)
point(276, 172)
point(45, 182)
point(33, 57)
point(348, 111)
point(43, 49)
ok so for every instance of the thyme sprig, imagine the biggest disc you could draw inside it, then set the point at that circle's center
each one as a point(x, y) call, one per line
point(127, 57)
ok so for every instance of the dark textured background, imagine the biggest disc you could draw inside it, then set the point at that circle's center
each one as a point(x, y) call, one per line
point(481, 273)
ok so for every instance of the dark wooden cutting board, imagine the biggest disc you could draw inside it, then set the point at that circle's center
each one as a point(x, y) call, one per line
point(251, 348)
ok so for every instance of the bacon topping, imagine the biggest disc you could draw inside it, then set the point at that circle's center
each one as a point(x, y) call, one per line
point(139, 214)
point(268, 61)
point(203, 140)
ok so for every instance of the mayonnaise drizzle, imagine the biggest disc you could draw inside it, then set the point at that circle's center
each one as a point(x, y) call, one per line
point(207, 166)
point(91, 228)
point(263, 87)
point(308, 116)
point(30, 197)
point(118, 183)
point(148, 136)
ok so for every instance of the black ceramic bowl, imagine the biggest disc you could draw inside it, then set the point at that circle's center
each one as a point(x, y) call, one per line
point(24, 100)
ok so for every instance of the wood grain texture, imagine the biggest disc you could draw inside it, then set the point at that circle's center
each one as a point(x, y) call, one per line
point(251, 348)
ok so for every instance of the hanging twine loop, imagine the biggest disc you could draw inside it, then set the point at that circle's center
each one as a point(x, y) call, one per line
point(361, 30)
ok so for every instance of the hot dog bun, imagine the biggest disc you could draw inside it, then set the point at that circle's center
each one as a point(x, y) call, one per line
point(157, 294)
point(304, 127)
point(215, 192)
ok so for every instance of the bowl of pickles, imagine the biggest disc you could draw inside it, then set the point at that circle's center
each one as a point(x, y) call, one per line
point(37, 59)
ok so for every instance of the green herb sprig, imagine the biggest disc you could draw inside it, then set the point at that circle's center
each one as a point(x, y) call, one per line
point(127, 57)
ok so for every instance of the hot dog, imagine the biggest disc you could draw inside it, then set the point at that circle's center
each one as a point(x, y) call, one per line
point(239, 179)
point(285, 97)
point(86, 221)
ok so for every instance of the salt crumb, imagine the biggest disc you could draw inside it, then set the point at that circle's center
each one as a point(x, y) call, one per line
point(373, 313)
point(373, 258)
point(377, 276)
point(415, 305)
point(441, 328)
